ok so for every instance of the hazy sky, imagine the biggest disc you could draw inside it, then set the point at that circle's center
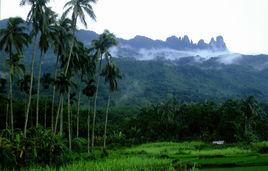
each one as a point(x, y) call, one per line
point(242, 23)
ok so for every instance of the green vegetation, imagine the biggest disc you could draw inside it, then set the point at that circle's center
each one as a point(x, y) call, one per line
point(174, 156)
point(72, 122)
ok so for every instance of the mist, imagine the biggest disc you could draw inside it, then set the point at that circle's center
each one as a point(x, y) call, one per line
point(225, 57)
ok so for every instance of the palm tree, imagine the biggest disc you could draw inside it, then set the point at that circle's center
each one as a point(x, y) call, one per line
point(61, 43)
point(111, 73)
point(101, 47)
point(12, 37)
point(78, 8)
point(46, 35)
point(82, 62)
point(37, 17)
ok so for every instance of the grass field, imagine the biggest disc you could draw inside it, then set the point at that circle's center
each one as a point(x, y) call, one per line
point(176, 156)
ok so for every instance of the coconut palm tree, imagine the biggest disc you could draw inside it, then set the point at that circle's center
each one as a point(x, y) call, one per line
point(13, 37)
point(101, 47)
point(37, 17)
point(111, 73)
point(61, 43)
point(74, 64)
point(78, 9)
point(47, 34)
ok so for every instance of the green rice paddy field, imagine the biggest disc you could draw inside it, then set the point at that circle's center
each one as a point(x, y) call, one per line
point(178, 156)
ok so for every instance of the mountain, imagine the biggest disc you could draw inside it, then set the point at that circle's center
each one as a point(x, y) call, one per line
point(156, 70)
point(173, 42)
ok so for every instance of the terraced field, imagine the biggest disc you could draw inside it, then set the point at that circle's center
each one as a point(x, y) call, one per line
point(177, 156)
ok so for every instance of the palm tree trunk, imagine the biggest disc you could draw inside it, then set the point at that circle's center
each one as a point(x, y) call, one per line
point(95, 105)
point(70, 54)
point(88, 128)
point(53, 95)
point(69, 120)
point(61, 117)
point(11, 91)
point(78, 113)
point(45, 116)
point(58, 114)
point(31, 88)
point(38, 87)
point(11, 103)
point(7, 112)
point(106, 121)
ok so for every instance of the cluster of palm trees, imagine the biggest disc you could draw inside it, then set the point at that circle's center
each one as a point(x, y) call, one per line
point(73, 60)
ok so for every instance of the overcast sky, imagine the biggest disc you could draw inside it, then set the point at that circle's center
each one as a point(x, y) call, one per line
point(242, 23)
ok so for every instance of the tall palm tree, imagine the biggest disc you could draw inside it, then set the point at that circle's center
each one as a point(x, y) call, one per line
point(82, 63)
point(101, 47)
point(111, 73)
point(74, 64)
point(78, 8)
point(61, 43)
point(46, 35)
point(37, 17)
point(12, 37)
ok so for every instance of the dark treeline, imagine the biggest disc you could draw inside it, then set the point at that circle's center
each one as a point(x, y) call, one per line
point(234, 121)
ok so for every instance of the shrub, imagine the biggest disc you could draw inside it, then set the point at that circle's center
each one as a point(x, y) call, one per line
point(7, 156)
point(261, 147)
point(79, 144)
point(40, 147)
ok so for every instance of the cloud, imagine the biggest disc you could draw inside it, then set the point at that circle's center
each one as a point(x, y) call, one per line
point(224, 57)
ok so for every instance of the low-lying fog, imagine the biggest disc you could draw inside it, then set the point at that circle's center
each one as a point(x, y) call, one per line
point(225, 57)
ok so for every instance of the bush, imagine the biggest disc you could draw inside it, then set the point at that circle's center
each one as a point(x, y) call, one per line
point(261, 147)
point(41, 147)
point(7, 156)
point(79, 144)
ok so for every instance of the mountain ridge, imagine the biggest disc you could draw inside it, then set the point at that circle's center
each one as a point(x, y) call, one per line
point(172, 42)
